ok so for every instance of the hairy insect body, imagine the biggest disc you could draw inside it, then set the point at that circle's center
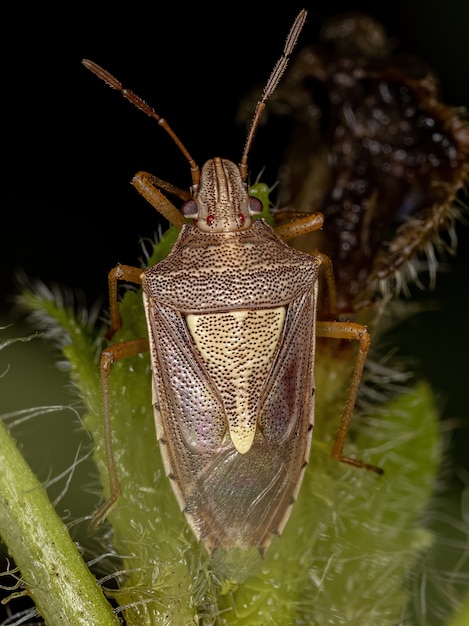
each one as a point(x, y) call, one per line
point(233, 371)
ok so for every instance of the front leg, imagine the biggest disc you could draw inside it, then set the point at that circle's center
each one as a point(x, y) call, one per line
point(149, 187)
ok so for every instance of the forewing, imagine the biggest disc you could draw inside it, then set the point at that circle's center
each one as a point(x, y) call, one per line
point(233, 499)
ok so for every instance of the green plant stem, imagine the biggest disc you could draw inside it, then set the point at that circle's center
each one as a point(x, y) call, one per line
point(53, 572)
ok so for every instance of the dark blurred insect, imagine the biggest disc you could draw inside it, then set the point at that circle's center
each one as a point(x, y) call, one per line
point(375, 150)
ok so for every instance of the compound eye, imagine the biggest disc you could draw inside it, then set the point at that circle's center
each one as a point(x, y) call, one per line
point(190, 209)
point(255, 206)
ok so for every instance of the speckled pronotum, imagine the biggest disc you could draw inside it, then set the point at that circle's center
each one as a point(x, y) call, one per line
point(231, 316)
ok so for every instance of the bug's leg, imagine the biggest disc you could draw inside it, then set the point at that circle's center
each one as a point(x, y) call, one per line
point(300, 226)
point(332, 306)
point(348, 330)
point(109, 356)
point(147, 185)
point(126, 273)
point(328, 270)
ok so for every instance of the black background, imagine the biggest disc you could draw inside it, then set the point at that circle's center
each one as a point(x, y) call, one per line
point(71, 145)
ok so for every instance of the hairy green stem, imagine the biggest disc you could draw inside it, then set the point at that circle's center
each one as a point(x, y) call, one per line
point(53, 573)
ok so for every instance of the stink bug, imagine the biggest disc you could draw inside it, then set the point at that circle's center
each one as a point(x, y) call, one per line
point(231, 315)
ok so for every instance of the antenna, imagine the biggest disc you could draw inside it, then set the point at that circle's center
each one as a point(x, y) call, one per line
point(269, 88)
point(146, 108)
point(271, 85)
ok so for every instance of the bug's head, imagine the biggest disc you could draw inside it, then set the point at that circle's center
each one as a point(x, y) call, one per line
point(221, 203)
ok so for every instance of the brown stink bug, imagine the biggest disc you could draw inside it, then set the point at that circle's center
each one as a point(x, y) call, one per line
point(231, 315)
